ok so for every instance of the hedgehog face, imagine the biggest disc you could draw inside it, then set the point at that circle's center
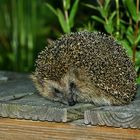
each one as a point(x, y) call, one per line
point(65, 95)
point(69, 90)
point(74, 87)
point(65, 90)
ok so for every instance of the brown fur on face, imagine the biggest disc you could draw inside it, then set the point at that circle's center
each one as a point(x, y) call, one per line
point(82, 92)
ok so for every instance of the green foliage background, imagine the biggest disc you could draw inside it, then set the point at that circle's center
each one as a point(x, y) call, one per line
point(27, 26)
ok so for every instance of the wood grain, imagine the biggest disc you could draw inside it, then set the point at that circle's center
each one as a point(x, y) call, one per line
point(127, 116)
point(12, 129)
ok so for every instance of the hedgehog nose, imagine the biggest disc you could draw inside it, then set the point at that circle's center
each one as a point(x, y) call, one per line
point(71, 102)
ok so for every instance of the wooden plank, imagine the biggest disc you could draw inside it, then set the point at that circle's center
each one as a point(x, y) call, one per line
point(7, 75)
point(19, 99)
point(127, 116)
point(42, 112)
point(12, 129)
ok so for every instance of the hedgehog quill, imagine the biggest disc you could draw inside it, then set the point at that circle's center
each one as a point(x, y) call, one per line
point(85, 67)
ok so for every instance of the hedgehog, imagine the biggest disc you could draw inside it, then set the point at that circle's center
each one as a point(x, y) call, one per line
point(85, 67)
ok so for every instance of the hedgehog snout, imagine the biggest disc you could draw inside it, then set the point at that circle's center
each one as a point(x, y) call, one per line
point(72, 98)
point(65, 93)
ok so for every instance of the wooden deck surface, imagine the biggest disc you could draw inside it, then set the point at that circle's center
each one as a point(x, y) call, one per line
point(13, 129)
point(18, 99)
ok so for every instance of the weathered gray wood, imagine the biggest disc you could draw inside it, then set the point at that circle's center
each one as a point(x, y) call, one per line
point(127, 116)
point(19, 99)
point(7, 75)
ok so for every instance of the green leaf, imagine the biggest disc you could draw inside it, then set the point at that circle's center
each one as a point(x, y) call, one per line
point(99, 8)
point(106, 7)
point(109, 27)
point(132, 9)
point(138, 39)
point(103, 13)
point(73, 13)
point(98, 19)
point(66, 4)
point(122, 31)
point(112, 16)
point(129, 30)
point(126, 46)
point(131, 39)
point(138, 17)
point(102, 10)
point(91, 6)
point(62, 21)
point(51, 8)
point(106, 4)
point(138, 58)
point(138, 80)
point(100, 4)
point(124, 22)
point(130, 34)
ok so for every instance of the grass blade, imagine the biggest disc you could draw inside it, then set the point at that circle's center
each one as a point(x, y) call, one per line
point(73, 13)
point(62, 21)
point(131, 8)
point(51, 8)
point(98, 19)
point(90, 6)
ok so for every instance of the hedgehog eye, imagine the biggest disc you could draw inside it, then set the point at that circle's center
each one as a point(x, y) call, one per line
point(57, 93)
point(72, 85)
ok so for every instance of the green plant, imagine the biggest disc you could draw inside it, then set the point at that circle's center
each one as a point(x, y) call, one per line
point(124, 27)
point(67, 15)
point(106, 16)
point(133, 32)
point(20, 26)
point(87, 26)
